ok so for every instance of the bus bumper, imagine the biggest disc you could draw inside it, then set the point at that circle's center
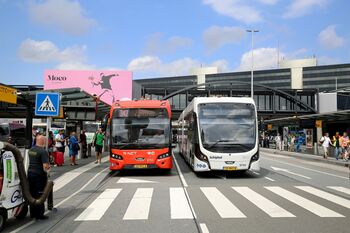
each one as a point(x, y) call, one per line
point(165, 163)
point(255, 166)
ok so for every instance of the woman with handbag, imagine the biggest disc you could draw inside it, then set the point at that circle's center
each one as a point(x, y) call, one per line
point(73, 148)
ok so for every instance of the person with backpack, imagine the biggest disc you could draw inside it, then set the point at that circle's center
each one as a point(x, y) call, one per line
point(73, 148)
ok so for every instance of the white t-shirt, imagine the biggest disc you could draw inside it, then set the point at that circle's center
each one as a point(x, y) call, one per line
point(326, 141)
point(58, 143)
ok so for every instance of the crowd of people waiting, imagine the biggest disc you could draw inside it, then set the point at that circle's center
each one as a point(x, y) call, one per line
point(59, 143)
point(337, 144)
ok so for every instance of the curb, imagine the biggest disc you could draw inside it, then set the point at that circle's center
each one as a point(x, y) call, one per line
point(306, 157)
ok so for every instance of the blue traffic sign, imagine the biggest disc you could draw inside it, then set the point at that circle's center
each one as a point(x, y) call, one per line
point(47, 104)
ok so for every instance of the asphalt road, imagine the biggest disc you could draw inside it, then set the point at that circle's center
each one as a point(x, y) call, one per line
point(288, 195)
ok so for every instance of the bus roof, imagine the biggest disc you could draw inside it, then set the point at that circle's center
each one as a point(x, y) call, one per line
point(142, 104)
point(199, 100)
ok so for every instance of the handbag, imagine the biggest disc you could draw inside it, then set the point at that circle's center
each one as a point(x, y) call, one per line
point(76, 146)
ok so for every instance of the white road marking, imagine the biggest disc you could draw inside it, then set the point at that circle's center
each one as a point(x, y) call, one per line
point(63, 201)
point(304, 203)
point(140, 204)
point(268, 178)
point(222, 205)
point(328, 196)
point(204, 228)
point(98, 207)
point(287, 171)
point(179, 206)
point(263, 203)
point(180, 173)
point(130, 180)
point(67, 177)
point(340, 189)
point(290, 164)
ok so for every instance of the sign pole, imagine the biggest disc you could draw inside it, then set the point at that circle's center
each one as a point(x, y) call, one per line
point(48, 125)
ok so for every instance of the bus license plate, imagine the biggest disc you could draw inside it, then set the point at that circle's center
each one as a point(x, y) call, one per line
point(230, 168)
point(140, 166)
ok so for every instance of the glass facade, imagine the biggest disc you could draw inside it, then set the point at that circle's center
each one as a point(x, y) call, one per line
point(267, 97)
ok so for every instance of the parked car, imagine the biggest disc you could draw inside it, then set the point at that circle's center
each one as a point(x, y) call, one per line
point(13, 133)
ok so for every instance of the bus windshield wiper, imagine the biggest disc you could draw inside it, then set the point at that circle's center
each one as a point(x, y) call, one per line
point(248, 146)
point(126, 145)
point(221, 140)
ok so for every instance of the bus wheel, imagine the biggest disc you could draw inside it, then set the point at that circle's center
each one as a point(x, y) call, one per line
point(23, 213)
point(3, 217)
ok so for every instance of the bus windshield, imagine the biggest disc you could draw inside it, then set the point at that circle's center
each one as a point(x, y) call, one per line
point(227, 127)
point(140, 128)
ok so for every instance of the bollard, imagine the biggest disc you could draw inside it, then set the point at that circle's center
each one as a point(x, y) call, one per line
point(79, 152)
point(315, 148)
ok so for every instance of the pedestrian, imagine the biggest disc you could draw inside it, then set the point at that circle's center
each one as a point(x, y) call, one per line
point(278, 142)
point(299, 140)
point(344, 142)
point(83, 144)
point(98, 143)
point(59, 141)
point(50, 147)
point(325, 141)
point(292, 142)
point(37, 175)
point(73, 148)
point(336, 144)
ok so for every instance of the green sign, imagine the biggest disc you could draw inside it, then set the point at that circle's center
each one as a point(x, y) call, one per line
point(9, 169)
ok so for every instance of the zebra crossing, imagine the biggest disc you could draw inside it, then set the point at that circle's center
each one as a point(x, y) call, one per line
point(139, 206)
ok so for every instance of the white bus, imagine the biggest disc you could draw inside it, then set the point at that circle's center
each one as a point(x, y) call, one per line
point(220, 133)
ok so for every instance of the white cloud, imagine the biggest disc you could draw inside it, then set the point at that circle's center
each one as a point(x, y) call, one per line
point(236, 9)
point(45, 51)
point(216, 37)
point(155, 45)
point(302, 7)
point(268, 2)
point(75, 66)
point(144, 63)
point(154, 66)
point(222, 64)
point(264, 58)
point(38, 51)
point(329, 39)
point(65, 15)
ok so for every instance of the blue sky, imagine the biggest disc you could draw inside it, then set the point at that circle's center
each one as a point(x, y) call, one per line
point(166, 37)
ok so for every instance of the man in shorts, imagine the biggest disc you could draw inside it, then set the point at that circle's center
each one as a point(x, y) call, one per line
point(98, 142)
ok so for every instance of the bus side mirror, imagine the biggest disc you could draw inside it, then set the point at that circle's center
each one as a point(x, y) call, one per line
point(104, 122)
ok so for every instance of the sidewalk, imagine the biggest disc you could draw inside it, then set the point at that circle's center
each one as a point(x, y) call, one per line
point(57, 171)
point(304, 156)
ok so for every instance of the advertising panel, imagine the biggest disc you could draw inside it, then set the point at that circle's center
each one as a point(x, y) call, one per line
point(107, 85)
point(8, 95)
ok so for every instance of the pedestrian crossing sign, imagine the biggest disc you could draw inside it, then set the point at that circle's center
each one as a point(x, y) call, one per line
point(47, 104)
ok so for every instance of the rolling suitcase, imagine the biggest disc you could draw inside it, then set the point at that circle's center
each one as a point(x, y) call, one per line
point(59, 158)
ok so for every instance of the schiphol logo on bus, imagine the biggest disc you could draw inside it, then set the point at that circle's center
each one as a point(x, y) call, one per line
point(215, 157)
point(200, 165)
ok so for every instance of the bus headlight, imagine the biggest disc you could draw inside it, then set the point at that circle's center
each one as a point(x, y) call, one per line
point(255, 157)
point(115, 156)
point(199, 154)
point(163, 156)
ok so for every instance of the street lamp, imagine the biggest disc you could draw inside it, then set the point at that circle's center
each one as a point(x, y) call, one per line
point(252, 70)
